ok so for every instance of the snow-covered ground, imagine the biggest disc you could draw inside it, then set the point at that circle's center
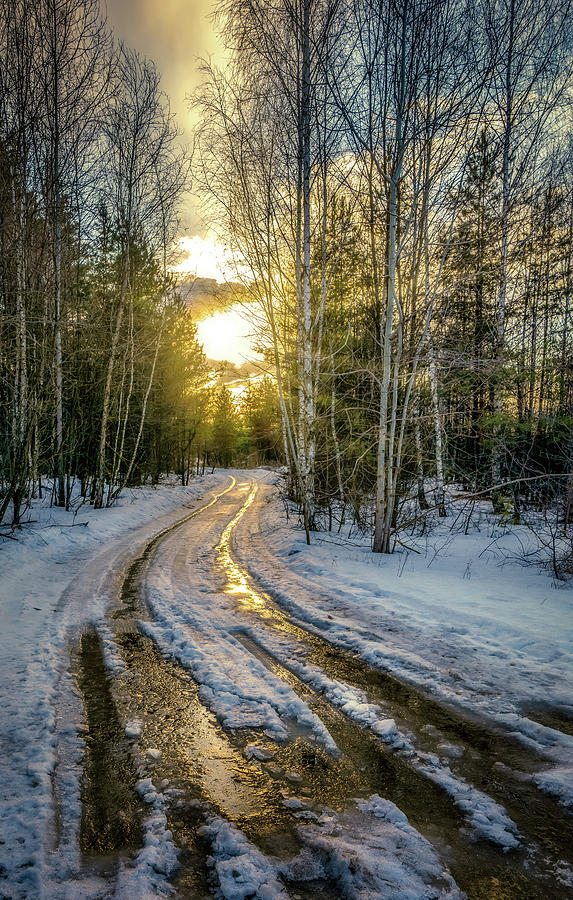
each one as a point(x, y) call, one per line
point(454, 615)
point(57, 562)
point(369, 851)
point(199, 620)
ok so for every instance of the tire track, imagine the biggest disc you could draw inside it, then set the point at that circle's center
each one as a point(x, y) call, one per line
point(486, 752)
point(246, 778)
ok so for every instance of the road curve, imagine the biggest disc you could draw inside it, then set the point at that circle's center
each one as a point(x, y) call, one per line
point(250, 711)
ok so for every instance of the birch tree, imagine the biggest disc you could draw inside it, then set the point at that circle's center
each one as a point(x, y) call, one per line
point(530, 56)
point(146, 176)
point(406, 87)
point(74, 46)
point(268, 114)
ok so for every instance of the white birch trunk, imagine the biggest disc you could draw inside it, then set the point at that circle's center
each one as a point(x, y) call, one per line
point(381, 543)
point(502, 293)
point(100, 480)
point(438, 434)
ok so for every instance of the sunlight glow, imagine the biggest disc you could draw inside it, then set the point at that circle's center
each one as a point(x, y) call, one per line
point(204, 258)
point(226, 335)
point(237, 579)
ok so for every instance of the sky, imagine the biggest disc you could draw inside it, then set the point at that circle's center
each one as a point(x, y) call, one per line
point(174, 34)
point(228, 335)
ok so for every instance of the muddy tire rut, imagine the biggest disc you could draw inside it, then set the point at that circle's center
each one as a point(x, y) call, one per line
point(203, 770)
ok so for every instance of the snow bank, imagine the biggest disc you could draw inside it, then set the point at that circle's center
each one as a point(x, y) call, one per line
point(387, 858)
point(241, 870)
point(460, 618)
point(158, 858)
point(370, 850)
point(58, 576)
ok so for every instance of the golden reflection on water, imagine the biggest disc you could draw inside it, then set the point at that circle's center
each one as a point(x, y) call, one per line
point(237, 579)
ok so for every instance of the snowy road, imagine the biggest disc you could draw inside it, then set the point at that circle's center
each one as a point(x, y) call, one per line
point(240, 747)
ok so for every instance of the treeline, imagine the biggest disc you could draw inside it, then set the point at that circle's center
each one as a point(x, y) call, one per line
point(397, 179)
point(244, 430)
point(102, 381)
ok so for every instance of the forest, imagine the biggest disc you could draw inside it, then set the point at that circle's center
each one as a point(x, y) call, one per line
point(102, 380)
point(395, 182)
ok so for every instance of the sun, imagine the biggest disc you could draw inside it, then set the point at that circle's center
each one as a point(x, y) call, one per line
point(226, 335)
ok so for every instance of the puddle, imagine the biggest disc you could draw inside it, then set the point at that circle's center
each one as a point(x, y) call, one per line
point(202, 766)
point(194, 747)
point(111, 812)
point(492, 761)
point(483, 871)
point(200, 761)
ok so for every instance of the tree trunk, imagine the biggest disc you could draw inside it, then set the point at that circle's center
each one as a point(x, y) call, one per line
point(101, 471)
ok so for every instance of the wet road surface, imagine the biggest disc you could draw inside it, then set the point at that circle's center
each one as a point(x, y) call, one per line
point(205, 768)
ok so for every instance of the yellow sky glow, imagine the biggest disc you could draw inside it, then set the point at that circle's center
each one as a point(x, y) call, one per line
point(227, 335)
point(175, 34)
point(203, 258)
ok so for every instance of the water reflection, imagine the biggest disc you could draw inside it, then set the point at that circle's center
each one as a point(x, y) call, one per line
point(481, 869)
point(111, 810)
point(237, 578)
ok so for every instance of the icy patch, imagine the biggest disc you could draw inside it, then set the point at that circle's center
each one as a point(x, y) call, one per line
point(369, 851)
point(237, 687)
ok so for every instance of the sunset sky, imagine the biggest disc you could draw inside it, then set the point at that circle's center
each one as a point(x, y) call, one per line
point(174, 33)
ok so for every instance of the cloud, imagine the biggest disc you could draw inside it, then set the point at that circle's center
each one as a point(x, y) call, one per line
point(174, 34)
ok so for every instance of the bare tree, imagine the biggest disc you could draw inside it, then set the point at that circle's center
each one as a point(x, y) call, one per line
point(146, 175)
point(406, 87)
point(73, 53)
point(271, 115)
point(529, 48)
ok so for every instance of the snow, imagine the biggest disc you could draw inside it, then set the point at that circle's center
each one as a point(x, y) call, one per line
point(467, 625)
point(369, 850)
point(153, 753)
point(134, 728)
point(460, 618)
point(45, 576)
point(254, 752)
point(240, 868)
point(486, 818)
point(387, 858)
point(158, 856)
point(198, 627)
point(112, 659)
